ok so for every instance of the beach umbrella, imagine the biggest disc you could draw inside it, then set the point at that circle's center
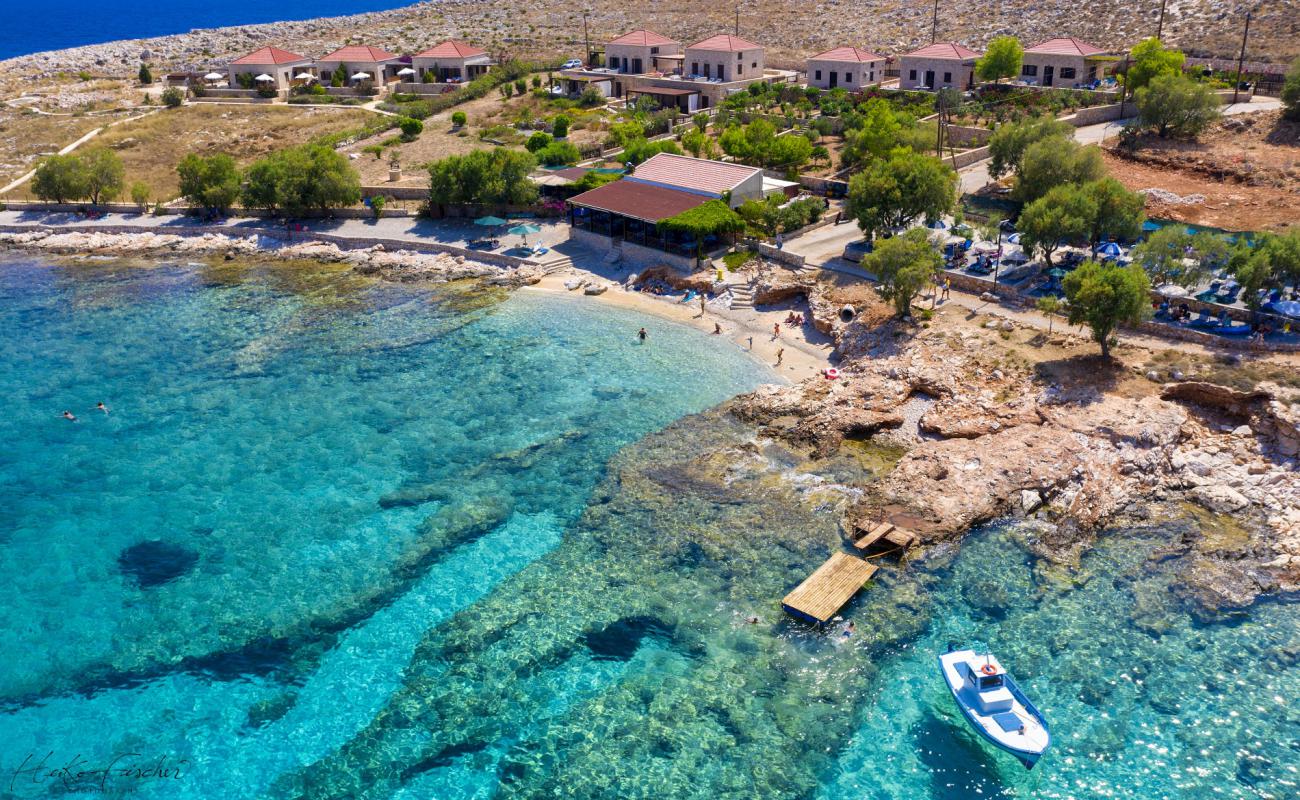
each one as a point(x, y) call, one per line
point(937, 225)
point(1014, 238)
point(524, 230)
point(1110, 249)
point(304, 76)
point(1287, 308)
point(406, 71)
point(489, 221)
point(985, 247)
point(1056, 272)
point(213, 76)
point(360, 76)
point(264, 77)
point(1229, 285)
point(1171, 290)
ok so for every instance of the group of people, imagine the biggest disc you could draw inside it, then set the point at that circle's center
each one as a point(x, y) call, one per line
point(793, 319)
point(70, 417)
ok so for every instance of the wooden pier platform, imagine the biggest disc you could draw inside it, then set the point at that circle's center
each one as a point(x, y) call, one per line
point(825, 592)
point(886, 532)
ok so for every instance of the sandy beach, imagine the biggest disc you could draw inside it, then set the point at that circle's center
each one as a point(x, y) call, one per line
point(806, 351)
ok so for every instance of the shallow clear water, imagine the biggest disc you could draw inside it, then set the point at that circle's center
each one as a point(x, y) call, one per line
point(386, 553)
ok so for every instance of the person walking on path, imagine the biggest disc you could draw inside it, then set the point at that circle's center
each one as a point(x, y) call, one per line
point(780, 242)
point(780, 353)
point(702, 304)
point(947, 288)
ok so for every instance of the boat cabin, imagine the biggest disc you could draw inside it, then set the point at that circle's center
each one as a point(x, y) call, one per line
point(986, 684)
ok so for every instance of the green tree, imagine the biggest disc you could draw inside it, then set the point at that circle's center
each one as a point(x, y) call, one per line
point(1059, 217)
point(1291, 92)
point(483, 177)
point(173, 97)
point(560, 127)
point(339, 77)
point(60, 179)
point(904, 264)
point(105, 175)
point(537, 141)
point(1253, 269)
point(558, 153)
point(145, 75)
point(877, 132)
point(701, 122)
point(1283, 251)
point(698, 144)
point(306, 178)
point(1048, 305)
point(1008, 143)
point(1055, 161)
point(713, 218)
point(894, 192)
point(410, 128)
point(1001, 59)
point(592, 180)
point(1161, 256)
point(209, 182)
point(1117, 211)
point(1176, 105)
point(639, 150)
point(458, 119)
point(1105, 296)
point(140, 194)
point(1148, 60)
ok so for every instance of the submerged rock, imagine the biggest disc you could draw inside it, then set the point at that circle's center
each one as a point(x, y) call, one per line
point(156, 562)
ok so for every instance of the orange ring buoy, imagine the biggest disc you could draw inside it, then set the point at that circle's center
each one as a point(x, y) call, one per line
point(832, 373)
point(989, 669)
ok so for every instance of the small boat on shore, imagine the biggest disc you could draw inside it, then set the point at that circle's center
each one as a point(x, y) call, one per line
point(994, 705)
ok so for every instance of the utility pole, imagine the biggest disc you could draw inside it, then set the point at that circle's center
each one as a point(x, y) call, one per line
point(586, 41)
point(737, 19)
point(1160, 26)
point(938, 135)
point(934, 25)
point(1241, 59)
point(1123, 89)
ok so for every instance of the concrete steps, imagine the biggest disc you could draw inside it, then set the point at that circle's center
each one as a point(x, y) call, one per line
point(742, 296)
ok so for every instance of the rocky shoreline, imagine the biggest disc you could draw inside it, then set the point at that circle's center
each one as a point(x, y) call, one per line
point(988, 436)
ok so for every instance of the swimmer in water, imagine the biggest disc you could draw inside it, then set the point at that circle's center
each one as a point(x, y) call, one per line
point(641, 334)
point(848, 630)
point(100, 405)
point(69, 416)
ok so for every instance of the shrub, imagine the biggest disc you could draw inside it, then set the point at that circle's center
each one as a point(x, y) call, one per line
point(591, 97)
point(1176, 105)
point(483, 177)
point(173, 97)
point(376, 150)
point(537, 81)
point(145, 75)
point(458, 119)
point(377, 204)
point(507, 89)
point(538, 141)
point(140, 195)
point(560, 127)
point(410, 128)
point(557, 153)
point(521, 86)
point(1291, 92)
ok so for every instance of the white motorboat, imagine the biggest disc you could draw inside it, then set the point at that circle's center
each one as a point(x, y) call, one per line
point(994, 705)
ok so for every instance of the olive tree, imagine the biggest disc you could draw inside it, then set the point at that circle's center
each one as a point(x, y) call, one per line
point(1174, 105)
point(60, 179)
point(105, 175)
point(1055, 161)
point(1059, 217)
point(1105, 296)
point(894, 192)
point(1008, 143)
point(904, 265)
point(210, 182)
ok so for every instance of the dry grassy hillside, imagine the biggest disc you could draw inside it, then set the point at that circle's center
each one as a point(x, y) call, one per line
point(791, 29)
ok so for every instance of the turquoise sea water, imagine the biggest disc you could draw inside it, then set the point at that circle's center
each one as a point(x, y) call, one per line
point(341, 538)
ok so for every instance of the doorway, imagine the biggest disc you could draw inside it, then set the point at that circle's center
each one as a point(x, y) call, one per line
point(1047, 75)
point(835, 79)
point(929, 79)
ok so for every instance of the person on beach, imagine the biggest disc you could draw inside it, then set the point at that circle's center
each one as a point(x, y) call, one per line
point(947, 287)
point(701, 305)
point(780, 353)
point(780, 242)
point(776, 330)
point(641, 334)
point(717, 328)
point(69, 416)
point(100, 405)
point(751, 343)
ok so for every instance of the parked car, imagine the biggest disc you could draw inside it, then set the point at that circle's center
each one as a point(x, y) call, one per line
point(573, 63)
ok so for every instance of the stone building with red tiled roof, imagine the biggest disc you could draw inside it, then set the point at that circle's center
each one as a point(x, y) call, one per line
point(725, 58)
point(642, 51)
point(279, 67)
point(845, 67)
point(1064, 61)
point(942, 65)
point(450, 62)
point(379, 66)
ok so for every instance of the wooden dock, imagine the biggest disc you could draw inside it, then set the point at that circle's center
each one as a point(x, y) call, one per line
point(825, 592)
point(888, 533)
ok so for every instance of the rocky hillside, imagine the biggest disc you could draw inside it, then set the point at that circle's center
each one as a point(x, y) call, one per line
point(792, 29)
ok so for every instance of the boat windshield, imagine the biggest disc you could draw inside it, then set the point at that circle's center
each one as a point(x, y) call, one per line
point(990, 681)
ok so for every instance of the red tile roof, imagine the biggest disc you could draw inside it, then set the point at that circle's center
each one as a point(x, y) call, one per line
point(643, 38)
point(1065, 46)
point(638, 200)
point(693, 174)
point(725, 42)
point(451, 49)
point(852, 54)
point(270, 55)
point(358, 52)
point(949, 50)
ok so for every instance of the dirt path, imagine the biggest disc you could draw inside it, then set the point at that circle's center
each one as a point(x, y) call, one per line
point(69, 148)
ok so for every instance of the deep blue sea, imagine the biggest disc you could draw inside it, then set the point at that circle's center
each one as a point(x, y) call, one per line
point(339, 538)
point(35, 27)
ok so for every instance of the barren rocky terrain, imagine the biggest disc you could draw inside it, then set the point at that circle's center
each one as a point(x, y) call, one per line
point(791, 31)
